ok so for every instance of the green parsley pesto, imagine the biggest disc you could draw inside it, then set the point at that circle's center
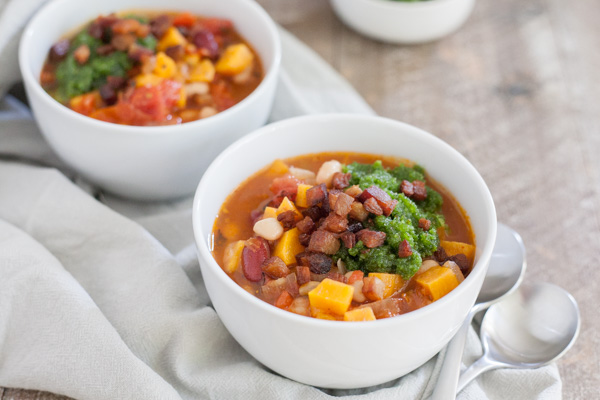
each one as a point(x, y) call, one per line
point(402, 224)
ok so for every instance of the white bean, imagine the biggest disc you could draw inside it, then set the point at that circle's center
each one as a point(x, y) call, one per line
point(196, 88)
point(268, 228)
point(327, 170)
point(207, 112)
point(303, 174)
point(358, 295)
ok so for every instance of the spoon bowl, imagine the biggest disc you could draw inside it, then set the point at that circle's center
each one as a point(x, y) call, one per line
point(529, 329)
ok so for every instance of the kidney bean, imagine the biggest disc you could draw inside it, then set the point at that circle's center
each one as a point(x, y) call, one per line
point(255, 252)
point(204, 39)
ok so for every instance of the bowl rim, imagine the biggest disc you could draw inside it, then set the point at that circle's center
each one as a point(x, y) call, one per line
point(206, 257)
point(405, 5)
point(272, 72)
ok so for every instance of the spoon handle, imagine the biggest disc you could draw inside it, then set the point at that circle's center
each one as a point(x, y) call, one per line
point(445, 388)
point(477, 368)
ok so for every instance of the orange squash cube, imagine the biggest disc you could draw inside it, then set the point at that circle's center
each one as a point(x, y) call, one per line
point(270, 212)
point(360, 314)
point(288, 246)
point(437, 282)
point(287, 205)
point(331, 297)
point(301, 195)
point(454, 248)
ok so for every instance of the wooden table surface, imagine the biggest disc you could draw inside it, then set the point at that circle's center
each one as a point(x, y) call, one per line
point(517, 91)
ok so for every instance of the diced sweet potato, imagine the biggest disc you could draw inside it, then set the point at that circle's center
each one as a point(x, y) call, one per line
point(301, 200)
point(232, 257)
point(392, 283)
point(454, 248)
point(171, 38)
point(373, 288)
point(331, 297)
point(437, 282)
point(287, 205)
point(278, 167)
point(235, 59)
point(270, 212)
point(360, 314)
point(288, 246)
point(318, 314)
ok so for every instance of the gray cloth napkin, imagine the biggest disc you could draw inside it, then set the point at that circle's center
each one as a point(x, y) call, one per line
point(101, 297)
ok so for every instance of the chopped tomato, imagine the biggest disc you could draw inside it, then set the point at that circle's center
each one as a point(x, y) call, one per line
point(284, 300)
point(287, 183)
point(217, 25)
point(145, 105)
point(184, 19)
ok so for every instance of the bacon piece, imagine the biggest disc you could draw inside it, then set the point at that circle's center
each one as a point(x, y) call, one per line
point(332, 197)
point(315, 213)
point(354, 191)
point(336, 276)
point(275, 267)
point(404, 249)
point(335, 223)
point(370, 238)
point(306, 225)
point(424, 224)
point(407, 188)
point(349, 239)
point(137, 52)
point(287, 219)
point(128, 25)
point(271, 290)
point(175, 52)
point(316, 195)
point(383, 199)
point(373, 288)
point(343, 205)
point(95, 30)
point(462, 261)
point(372, 206)
point(358, 211)
point(159, 25)
point(420, 190)
point(318, 263)
point(255, 252)
point(324, 242)
point(341, 180)
point(304, 239)
point(123, 42)
point(82, 54)
point(302, 274)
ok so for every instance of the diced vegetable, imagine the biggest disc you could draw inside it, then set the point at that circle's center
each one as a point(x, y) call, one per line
point(300, 306)
point(165, 66)
point(235, 59)
point(287, 205)
point(307, 287)
point(86, 103)
point(270, 212)
point(284, 300)
point(392, 282)
point(171, 38)
point(326, 172)
point(147, 80)
point(360, 314)
point(278, 167)
point(203, 72)
point(331, 297)
point(358, 296)
point(454, 248)
point(304, 175)
point(354, 276)
point(301, 195)
point(288, 246)
point(437, 282)
point(268, 228)
point(232, 258)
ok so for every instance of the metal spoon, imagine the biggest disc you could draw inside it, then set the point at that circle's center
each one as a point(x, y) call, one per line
point(529, 329)
point(504, 275)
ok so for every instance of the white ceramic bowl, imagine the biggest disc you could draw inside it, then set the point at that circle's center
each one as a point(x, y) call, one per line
point(336, 354)
point(403, 22)
point(147, 163)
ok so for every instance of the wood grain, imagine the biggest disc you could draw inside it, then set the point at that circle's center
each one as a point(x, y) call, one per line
point(516, 91)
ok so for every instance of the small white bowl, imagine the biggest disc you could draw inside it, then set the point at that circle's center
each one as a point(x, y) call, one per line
point(335, 354)
point(403, 22)
point(146, 163)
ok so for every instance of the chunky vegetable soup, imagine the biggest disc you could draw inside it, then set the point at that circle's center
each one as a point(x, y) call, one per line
point(152, 68)
point(344, 236)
